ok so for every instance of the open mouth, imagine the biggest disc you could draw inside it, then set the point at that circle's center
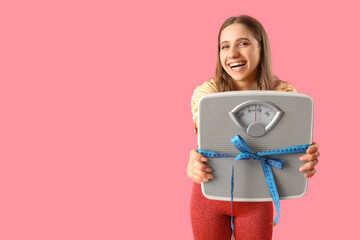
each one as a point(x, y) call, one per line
point(237, 65)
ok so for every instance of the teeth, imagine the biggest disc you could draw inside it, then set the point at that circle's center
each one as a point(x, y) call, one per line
point(238, 64)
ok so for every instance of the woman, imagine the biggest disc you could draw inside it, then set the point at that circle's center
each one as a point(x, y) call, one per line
point(243, 63)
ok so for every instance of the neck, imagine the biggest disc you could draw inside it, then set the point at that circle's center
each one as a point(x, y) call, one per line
point(244, 85)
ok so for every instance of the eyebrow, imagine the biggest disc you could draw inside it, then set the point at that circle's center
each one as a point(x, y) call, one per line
point(237, 40)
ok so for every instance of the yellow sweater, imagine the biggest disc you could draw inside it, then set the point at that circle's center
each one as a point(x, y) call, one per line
point(210, 87)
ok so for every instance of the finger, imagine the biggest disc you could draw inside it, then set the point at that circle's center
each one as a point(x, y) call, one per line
point(202, 174)
point(197, 156)
point(313, 148)
point(201, 166)
point(310, 157)
point(310, 173)
point(308, 166)
point(201, 170)
point(199, 177)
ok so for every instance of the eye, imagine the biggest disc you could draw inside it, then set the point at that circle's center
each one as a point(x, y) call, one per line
point(243, 44)
point(224, 46)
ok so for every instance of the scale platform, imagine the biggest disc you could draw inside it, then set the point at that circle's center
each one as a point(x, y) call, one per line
point(266, 120)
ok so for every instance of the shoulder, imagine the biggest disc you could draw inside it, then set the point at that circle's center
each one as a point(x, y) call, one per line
point(283, 86)
point(207, 87)
point(204, 89)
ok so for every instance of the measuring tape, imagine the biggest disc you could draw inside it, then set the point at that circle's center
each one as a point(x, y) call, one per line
point(266, 164)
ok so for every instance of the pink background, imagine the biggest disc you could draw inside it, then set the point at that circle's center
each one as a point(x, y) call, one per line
point(96, 125)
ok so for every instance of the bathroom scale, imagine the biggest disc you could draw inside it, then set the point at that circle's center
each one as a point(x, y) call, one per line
point(265, 120)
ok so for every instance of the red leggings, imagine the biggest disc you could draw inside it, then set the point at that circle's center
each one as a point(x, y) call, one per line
point(210, 219)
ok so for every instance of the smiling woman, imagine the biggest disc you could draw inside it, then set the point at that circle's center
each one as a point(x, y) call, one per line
point(244, 39)
point(240, 55)
point(243, 63)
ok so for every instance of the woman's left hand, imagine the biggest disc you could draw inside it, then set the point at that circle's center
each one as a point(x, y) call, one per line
point(311, 156)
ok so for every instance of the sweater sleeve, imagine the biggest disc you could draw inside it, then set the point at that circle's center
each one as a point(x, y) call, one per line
point(200, 91)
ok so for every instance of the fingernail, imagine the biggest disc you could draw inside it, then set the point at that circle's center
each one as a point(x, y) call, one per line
point(203, 159)
point(208, 170)
point(302, 158)
point(301, 169)
point(210, 176)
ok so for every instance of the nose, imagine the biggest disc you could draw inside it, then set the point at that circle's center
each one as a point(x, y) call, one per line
point(234, 53)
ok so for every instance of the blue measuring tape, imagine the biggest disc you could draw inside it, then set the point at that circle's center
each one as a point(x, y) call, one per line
point(266, 164)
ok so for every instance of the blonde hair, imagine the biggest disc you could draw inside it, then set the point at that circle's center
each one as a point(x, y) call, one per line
point(264, 76)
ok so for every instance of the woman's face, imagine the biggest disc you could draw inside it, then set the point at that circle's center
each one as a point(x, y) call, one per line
point(240, 55)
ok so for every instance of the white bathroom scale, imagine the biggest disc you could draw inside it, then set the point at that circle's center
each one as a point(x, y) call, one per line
point(266, 120)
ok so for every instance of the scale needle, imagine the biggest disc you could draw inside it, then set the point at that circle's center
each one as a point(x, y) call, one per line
point(255, 112)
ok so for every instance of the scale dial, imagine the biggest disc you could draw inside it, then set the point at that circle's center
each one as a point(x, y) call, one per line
point(256, 117)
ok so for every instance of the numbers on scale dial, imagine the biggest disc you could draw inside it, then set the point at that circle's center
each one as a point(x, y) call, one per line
point(256, 117)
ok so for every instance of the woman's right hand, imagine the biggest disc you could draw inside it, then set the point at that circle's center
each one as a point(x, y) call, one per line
point(197, 170)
